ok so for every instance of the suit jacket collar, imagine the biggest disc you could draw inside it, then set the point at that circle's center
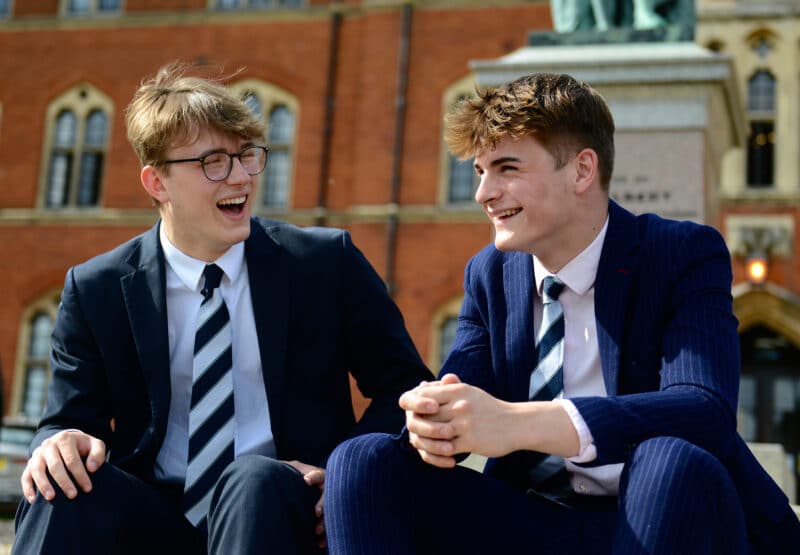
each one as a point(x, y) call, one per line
point(612, 290)
point(268, 271)
point(615, 275)
point(518, 287)
point(144, 291)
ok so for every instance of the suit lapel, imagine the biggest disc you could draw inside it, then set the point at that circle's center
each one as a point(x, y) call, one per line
point(144, 291)
point(615, 276)
point(518, 290)
point(268, 272)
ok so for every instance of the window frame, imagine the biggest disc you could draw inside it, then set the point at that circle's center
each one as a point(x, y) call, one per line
point(446, 311)
point(271, 96)
point(244, 5)
point(48, 304)
point(82, 99)
point(761, 117)
point(93, 11)
point(464, 87)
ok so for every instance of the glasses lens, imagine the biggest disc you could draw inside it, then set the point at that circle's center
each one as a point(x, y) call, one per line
point(217, 166)
point(253, 159)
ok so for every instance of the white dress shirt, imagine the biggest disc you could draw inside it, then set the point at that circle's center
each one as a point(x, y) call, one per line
point(583, 375)
point(252, 430)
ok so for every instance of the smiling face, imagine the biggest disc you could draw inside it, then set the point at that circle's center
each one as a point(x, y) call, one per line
point(203, 218)
point(532, 203)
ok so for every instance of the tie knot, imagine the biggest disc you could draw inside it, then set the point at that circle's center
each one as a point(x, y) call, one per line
point(213, 275)
point(552, 288)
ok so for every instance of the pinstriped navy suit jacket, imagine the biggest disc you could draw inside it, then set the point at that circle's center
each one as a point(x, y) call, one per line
point(668, 343)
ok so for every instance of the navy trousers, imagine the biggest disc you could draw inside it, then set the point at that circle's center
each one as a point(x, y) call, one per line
point(258, 505)
point(675, 498)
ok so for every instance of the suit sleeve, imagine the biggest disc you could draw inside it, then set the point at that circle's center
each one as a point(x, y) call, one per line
point(470, 356)
point(382, 358)
point(77, 397)
point(699, 363)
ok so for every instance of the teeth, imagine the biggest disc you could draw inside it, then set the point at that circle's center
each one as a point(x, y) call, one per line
point(509, 212)
point(228, 201)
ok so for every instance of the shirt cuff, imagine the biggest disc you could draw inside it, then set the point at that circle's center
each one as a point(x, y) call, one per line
point(588, 452)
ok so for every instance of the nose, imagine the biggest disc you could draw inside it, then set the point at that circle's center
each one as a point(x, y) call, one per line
point(487, 190)
point(238, 174)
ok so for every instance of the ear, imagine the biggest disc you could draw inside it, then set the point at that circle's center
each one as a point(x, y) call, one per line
point(150, 177)
point(587, 170)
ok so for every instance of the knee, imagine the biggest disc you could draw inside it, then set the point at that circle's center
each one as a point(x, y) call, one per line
point(257, 475)
point(366, 454)
point(676, 463)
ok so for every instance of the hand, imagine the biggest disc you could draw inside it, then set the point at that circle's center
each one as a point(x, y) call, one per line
point(314, 476)
point(449, 417)
point(68, 455)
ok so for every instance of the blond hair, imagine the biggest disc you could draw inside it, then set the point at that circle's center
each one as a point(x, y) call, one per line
point(172, 108)
point(564, 115)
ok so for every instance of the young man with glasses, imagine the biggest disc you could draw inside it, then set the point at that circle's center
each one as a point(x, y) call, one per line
point(200, 370)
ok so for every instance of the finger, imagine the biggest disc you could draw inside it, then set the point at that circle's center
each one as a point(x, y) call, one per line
point(430, 428)
point(415, 402)
point(97, 454)
point(315, 478)
point(436, 460)
point(449, 379)
point(55, 458)
point(436, 447)
point(28, 489)
point(38, 471)
point(70, 452)
point(319, 507)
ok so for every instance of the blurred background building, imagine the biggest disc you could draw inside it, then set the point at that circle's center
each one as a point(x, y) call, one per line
point(354, 92)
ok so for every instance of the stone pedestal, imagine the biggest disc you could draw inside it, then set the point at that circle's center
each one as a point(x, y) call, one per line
point(676, 109)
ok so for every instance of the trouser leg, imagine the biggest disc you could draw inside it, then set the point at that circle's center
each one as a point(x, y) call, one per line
point(121, 514)
point(261, 505)
point(677, 498)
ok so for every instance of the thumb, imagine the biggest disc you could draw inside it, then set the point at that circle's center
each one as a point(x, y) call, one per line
point(449, 379)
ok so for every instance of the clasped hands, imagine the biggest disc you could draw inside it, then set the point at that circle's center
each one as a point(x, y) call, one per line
point(445, 418)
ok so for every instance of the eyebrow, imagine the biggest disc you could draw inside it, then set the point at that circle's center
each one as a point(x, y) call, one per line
point(246, 144)
point(501, 161)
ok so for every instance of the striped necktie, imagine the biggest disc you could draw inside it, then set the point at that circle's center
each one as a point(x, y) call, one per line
point(547, 379)
point(211, 410)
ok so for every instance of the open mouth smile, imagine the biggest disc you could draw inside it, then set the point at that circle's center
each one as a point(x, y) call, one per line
point(233, 206)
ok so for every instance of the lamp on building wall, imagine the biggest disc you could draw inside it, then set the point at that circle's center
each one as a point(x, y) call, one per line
point(756, 267)
point(759, 244)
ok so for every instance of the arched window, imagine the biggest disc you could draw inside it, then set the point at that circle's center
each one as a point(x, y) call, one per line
point(33, 360)
point(458, 178)
point(279, 110)
point(77, 141)
point(443, 326)
point(462, 182)
point(91, 7)
point(224, 5)
point(761, 142)
point(280, 136)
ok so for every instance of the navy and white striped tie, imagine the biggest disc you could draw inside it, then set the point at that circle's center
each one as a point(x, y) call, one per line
point(211, 412)
point(547, 379)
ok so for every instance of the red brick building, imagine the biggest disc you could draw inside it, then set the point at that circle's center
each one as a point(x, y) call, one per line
point(354, 93)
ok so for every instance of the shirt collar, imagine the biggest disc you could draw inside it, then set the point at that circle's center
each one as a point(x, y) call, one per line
point(580, 272)
point(190, 270)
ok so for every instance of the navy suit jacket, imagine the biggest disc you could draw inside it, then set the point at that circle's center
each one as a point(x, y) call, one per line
point(320, 311)
point(669, 351)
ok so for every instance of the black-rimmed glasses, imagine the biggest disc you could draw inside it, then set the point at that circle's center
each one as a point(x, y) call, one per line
point(217, 166)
